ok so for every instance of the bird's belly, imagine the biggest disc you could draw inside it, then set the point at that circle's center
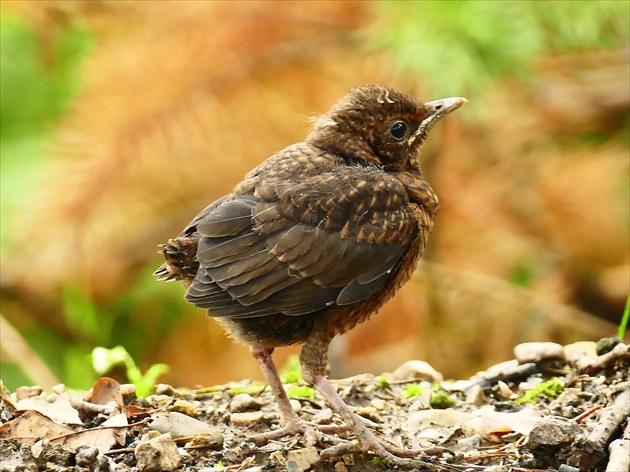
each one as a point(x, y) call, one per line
point(270, 331)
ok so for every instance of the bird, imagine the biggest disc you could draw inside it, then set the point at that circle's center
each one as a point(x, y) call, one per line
point(316, 239)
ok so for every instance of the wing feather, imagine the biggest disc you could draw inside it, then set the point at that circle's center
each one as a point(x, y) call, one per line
point(287, 249)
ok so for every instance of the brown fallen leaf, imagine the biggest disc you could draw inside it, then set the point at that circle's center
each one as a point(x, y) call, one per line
point(107, 390)
point(103, 437)
point(59, 411)
point(32, 426)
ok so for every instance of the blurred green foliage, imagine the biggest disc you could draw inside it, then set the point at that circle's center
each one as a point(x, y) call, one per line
point(479, 41)
point(33, 96)
point(103, 360)
point(476, 42)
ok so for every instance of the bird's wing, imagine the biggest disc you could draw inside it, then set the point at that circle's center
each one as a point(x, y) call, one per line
point(296, 248)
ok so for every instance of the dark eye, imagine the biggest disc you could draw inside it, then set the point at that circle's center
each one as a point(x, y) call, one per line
point(398, 130)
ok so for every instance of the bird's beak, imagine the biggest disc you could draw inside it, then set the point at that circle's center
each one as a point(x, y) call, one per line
point(437, 110)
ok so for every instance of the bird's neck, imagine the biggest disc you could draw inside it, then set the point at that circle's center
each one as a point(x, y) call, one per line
point(418, 189)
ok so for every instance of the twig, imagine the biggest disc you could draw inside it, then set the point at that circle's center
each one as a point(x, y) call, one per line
point(611, 419)
point(588, 412)
point(619, 453)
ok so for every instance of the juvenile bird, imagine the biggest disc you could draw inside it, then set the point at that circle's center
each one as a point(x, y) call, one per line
point(316, 239)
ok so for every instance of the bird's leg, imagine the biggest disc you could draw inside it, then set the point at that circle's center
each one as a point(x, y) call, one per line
point(292, 422)
point(314, 361)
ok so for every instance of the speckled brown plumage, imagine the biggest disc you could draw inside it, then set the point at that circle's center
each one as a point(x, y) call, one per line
point(320, 235)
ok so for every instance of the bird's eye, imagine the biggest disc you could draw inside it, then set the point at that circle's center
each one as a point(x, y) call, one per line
point(398, 130)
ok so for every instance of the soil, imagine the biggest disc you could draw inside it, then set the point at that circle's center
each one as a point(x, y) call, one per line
point(562, 408)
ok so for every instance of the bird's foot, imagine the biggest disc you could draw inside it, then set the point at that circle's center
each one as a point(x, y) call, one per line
point(415, 462)
point(288, 429)
point(301, 427)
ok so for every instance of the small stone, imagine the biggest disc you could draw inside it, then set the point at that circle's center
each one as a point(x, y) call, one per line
point(417, 370)
point(156, 454)
point(165, 389)
point(378, 403)
point(183, 406)
point(37, 449)
point(58, 389)
point(160, 401)
point(475, 396)
point(469, 444)
point(243, 402)
point(323, 417)
point(340, 467)
point(567, 468)
point(538, 351)
point(296, 405)
point(580, 349)
point(553, 431)
point(51, 397)
point(179, 425)
point(304, 458)
point(22, 393)
point(127, 389)
point(206, 441)
point(87, 456)
point(246, 417)
point(505, 391)
point(368, 412)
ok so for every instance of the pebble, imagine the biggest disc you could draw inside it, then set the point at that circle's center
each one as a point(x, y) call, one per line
point(471, 443)
point(538, 351)
point(158, 453)
point(378, 403)
point(505, 391)
point(475, 396)
point(417, 370)
point(552, 431)
point(368, 412)
point(296, 405)
point(58, 389)
point(165, 389)
point(22, 393)
point(246, 417)
point(567, 468)
point(209, 441)
point(340, 467)
point(127, 389)
point(304, 458)
point(160, 401)
point(86, 456)
point(243, 402)
point(179, 425)
point(323, 417)
point(183, 406)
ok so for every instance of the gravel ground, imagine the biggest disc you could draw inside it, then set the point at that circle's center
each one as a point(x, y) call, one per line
point(553, 407)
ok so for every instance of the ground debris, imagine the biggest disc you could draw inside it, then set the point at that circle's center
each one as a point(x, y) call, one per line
point(506, 418)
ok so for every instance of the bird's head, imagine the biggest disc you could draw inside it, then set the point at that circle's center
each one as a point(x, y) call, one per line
point(379, 126)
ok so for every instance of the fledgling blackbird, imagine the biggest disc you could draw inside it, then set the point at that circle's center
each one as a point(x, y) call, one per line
point(316, 239)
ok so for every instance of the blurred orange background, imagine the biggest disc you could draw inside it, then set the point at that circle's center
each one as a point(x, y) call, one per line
point(176, 100)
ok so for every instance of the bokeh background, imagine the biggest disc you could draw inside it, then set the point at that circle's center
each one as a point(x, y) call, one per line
point(121, 120)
